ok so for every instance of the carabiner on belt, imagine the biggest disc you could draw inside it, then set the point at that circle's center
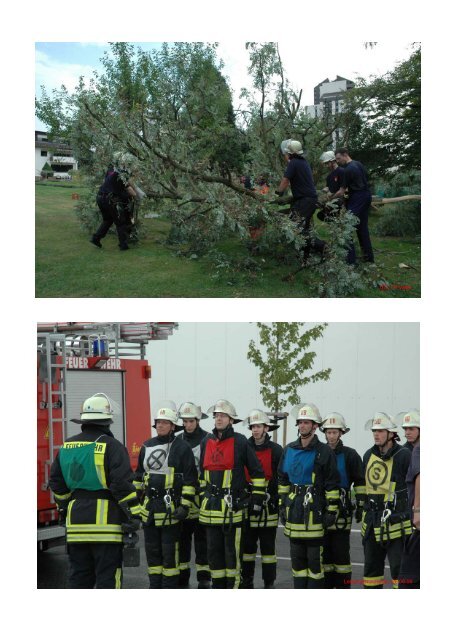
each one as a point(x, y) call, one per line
point(307, 498)
point(167, 500)
point(228, 500)
point(385, 516)
point(266, 499)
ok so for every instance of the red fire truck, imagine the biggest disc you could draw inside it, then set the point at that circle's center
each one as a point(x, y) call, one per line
point(76, 360)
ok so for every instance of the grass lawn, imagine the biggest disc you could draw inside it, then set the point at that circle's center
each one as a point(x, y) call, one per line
point(69, 266)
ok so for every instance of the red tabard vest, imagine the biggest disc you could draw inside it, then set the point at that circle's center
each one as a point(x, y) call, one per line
point(265, 458)
point(219, 455)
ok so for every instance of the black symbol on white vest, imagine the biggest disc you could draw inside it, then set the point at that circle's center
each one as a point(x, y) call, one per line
point(156, 459)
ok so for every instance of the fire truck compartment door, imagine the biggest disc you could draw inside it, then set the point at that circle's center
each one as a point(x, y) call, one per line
point(83, 384)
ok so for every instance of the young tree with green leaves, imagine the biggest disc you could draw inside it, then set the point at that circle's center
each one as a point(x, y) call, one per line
point(284, 360)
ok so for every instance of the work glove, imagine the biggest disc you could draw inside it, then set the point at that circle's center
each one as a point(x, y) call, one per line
point(131, 525)
point(181, 513)
point(359, 513)
point(329, 518)
point(282, 515)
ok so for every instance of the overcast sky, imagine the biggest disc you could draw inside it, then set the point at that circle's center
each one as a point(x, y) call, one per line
point(306, 65)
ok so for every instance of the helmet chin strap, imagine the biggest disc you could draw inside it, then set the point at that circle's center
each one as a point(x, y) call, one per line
point(307, 435)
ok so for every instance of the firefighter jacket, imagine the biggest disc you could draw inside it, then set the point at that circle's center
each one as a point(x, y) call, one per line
point(194, 440)
point(308, 487)
point(167, 477)
point(269, 454)
point(351, 472)
point(386, 510)
point(91, 477)
point(224, 488)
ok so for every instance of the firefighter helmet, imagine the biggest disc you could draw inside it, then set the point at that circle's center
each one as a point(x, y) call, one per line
point(167, 411)
point(409, 418)
point(283, 147)
point(191, 410)
point(224, 406)
point(306, 411)
point(256, 416)
point(295, 147)
point(97, 407)
point(327, 156)
point(381, 421)
point(334, 421)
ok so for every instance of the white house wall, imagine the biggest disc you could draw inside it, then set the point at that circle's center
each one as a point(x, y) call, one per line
point(375, 368)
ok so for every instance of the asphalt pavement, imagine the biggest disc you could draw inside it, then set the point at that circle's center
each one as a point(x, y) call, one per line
point(52, 567)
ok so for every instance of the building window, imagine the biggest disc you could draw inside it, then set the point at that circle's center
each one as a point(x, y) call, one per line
point(44, 154)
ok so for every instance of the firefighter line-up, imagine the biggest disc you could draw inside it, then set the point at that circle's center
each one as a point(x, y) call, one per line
point(228, 493)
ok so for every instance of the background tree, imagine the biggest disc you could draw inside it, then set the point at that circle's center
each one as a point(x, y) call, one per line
point(283, 359)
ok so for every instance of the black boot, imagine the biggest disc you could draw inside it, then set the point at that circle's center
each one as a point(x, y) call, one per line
point(269, 585)
point(96, 241)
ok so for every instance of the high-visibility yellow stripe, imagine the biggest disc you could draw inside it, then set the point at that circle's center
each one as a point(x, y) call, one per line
point(118, 576)
point(258, 482)
point(86, 537)
point(374, 581)
point(65, 496)
point(188, 490)
point(302, 573)
point(169, 478)
point(268, 559)
point(249, 557)
point(227, 479)
point(99, 462)
point(283, 489)
point(102, 512)
point(218, 573)
point(170, 572)
point(327, 568)
point(343, 568)
point(202, 567)
point(183, 566)
point(332, 495)
point(315, 576)
point(155, 571)
point(131, 496)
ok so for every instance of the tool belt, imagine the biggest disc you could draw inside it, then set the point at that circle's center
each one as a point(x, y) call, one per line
point(312, 502)
point(235, 500)
point(345, 509)
point(384, 513)
point(84, 494)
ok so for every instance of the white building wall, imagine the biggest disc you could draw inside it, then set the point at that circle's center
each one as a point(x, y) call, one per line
point(375, 367)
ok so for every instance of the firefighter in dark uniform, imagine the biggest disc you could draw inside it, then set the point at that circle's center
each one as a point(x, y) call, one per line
point(334, 181)
point(262, 528)
point(309, 496)
point(409, 575)
point(92, 482)
point(356, 182)
point(225, 498)
point(386, 519)
point(191, 414)
point(299, 175)
point(115, 200)
point(167, 476)
point(336, 554)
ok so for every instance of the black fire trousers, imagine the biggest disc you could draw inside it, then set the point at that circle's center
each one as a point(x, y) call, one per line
point(266, 537)
point(224, 552)
point(95, 565)
point(409, 575)
point(374, 561)
point(359, 205)
point(162, 554)
point(113, 212)
point(301, 213)
point(336, 560)
point(191, 529)
point(307, 563)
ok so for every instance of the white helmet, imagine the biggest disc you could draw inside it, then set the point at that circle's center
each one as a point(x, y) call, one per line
point(224, 406)
point(409, 418)
point(381, 421)
point(327, 156)
point(97, 407)
point(256, 416)
point(307, 411)
point(167, 411)
point(334, 421)
point(295, 146)
point(284, 147)
point(191, 410)
point(124, 160)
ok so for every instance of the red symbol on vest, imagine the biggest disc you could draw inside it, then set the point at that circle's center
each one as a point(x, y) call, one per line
point(219, 454)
